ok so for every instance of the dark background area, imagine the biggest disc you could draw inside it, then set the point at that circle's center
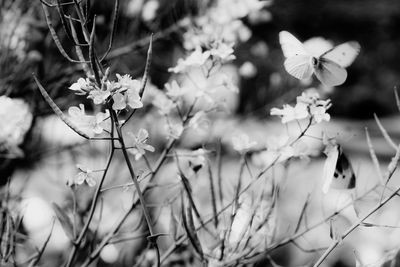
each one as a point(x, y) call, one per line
point(368, 89)
point(373, 75)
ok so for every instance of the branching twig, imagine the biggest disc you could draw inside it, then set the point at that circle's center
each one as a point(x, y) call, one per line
point(336, 242)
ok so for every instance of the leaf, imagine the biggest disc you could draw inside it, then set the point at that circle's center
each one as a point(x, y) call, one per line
point(93, 59)
point(65, 221)
point(147, 67)
point(190, 229)
point(57, 110)
point(368, 224)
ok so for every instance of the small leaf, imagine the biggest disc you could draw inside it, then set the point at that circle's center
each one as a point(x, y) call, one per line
point(147, 67)
point(57, 110)
point(173, 224)
point(396, 96)
point(93, 60)
point(193, 233)
point(65, 221)
point(188, 224)
point(153, 238)
point(367, 224)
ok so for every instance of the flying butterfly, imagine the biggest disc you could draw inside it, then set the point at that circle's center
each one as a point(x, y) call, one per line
point(329, 65)
point(338, 172)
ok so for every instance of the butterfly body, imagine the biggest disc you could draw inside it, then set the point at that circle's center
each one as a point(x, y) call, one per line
point(328, 66)
point(315, 62)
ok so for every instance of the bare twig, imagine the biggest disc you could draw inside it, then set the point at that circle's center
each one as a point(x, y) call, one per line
point(113, 31)
point(82, 234)
point(396, 96)
point(36, 260)
point(373, 156)
point(212, 193)
point(385, 133)
point(54, 35)
point(78, 49)
point(302, 213)
point(336, 242)
point(153, 236)
point(92, 57)
point(145, 77)
point(142, 42)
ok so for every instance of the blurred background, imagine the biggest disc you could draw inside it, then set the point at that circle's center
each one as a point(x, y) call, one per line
point(37, 152)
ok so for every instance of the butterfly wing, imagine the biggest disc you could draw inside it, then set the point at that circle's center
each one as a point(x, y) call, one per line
point(317, 46)
point(344, 177)
point(343, 54)
point(291, 46)
point(329, 72)
point(299, 66)
point(329, 167)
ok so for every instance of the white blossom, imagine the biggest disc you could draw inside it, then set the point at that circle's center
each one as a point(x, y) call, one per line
point(15, 121)
point(289, 113)
point(89, 124)
point(139, 143)
point(242, 143)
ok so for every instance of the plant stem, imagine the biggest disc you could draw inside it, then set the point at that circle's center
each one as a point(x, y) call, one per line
point(152, 238)
point(82, 234)
point(336, 242)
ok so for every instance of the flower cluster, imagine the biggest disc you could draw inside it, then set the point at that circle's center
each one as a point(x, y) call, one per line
point(242, 143)
point(308, 105)
point(124, 92)
point(89, 124)
point(198, 86)
point(196, 59)
point(223, 22)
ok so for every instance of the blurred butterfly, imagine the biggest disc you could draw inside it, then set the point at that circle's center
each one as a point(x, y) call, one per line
point(338, 172)
point(328, 63)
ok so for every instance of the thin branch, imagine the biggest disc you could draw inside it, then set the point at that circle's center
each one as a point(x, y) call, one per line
point(106, 240)
point(83, 21)
point(55, 37)
point(79, 50)
point(385, 133)
point(302, 213)
point(153, 236)
point(147, 66)
point(373, 156)
point(390, 169)
point(336, 242)
point(82, 234)
point(396, 96)
point(113, 31)
point(92, 57)
point(188, 189)
point(61, 14)
point(55, 5)
point(144, 41)
point(145, 77)
point(36, 260)
point(212, 191)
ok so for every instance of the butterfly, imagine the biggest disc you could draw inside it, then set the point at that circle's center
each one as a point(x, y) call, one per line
point(329, 65)
point(338, 172)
